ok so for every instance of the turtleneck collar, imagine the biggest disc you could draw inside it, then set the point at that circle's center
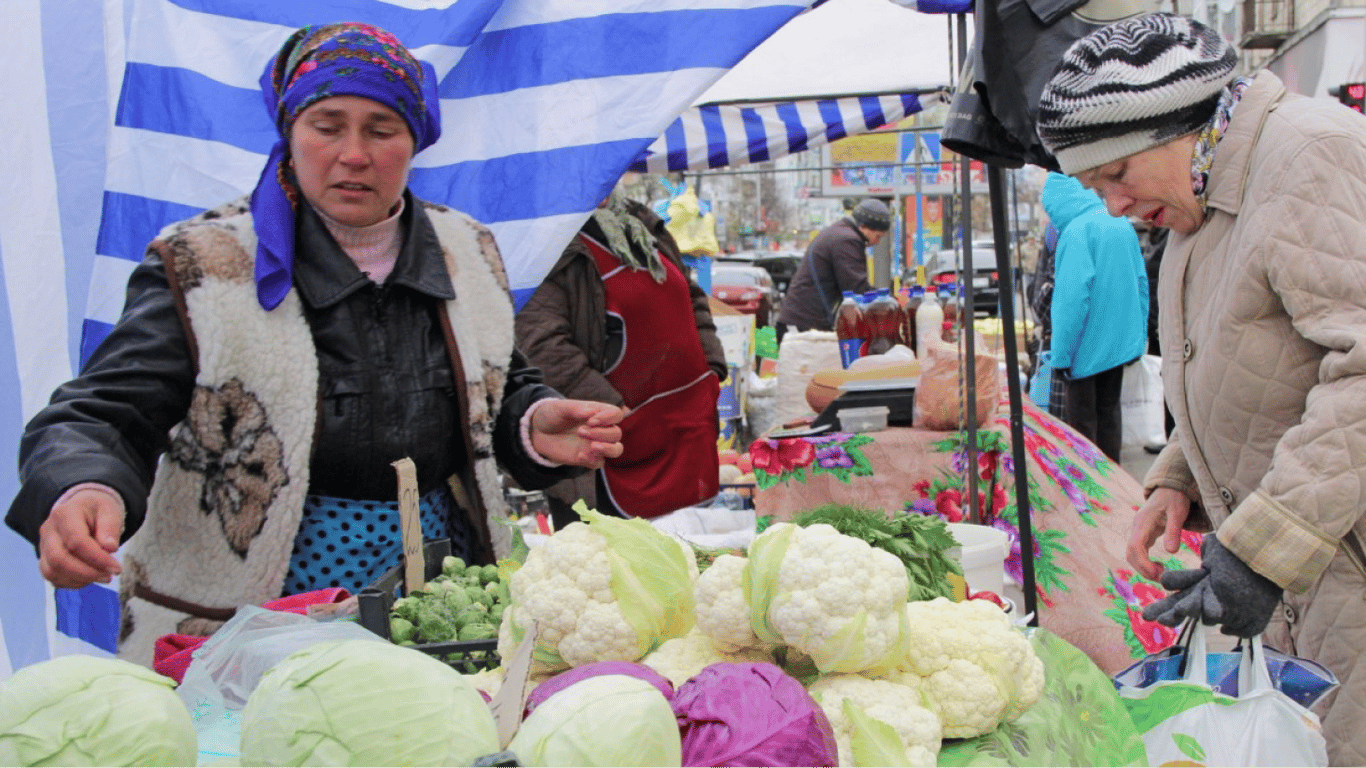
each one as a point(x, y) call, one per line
point(373, 248)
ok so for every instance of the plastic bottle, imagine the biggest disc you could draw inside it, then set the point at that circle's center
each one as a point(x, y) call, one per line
point(929, 318)
point(865, 300)
point(850, 329)
point(913, 302)
point(884, 322)
point(948, 297)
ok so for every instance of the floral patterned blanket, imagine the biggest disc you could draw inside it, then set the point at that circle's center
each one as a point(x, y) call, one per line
point(1081, 504)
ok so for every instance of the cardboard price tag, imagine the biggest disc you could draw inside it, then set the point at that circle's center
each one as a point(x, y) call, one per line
point(508, 704)
point(410, 522)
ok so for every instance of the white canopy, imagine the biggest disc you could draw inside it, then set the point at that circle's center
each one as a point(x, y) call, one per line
point(842, 48)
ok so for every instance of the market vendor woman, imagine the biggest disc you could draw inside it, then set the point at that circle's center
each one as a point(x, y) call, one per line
point(276, 354)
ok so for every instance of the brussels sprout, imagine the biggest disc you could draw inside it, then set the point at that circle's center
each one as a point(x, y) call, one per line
point(457, 599)
point(478, 631)
point(452, 566)
point(435, 622)
point(488, 574)
point(400, 629)
point(475, 614)
point(405, 608)
point(478, 595)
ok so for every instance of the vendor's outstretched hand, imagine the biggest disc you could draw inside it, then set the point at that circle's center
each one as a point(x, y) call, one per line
point(580, 432)
point(77, 541)
point(1223, 591)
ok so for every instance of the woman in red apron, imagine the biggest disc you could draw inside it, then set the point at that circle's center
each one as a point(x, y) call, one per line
point(670, 458)
point(618, 321)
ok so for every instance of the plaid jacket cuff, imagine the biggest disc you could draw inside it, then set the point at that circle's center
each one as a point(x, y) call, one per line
point(1276, 543)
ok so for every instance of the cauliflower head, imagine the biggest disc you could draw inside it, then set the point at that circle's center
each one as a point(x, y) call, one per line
point(897, 705)
point(978, 668)
point(681, 658)
point(603, 590)
point(834, 597)
point(968, 699)
point(722, 605)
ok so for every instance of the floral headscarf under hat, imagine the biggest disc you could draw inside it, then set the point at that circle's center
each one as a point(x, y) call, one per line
point(315, 63)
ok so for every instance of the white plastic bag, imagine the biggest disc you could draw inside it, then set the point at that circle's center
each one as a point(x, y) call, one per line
point(801, 356)
point(1185, 722)
point(1140, 403)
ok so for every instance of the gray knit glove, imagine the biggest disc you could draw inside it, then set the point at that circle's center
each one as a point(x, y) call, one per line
point(1223, 591)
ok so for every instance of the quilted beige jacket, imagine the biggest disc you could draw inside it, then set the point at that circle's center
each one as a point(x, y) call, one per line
point(1263, 331)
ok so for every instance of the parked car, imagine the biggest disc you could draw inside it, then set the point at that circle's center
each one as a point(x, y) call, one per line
point(746, 288)
point(946, 267)
point(780, 265)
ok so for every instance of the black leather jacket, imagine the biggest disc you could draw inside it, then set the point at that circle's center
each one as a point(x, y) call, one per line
point(386, 386)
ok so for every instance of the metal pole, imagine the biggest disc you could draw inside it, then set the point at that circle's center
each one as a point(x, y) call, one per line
point(1017, 446)
point(968, 312)
point(919, 209)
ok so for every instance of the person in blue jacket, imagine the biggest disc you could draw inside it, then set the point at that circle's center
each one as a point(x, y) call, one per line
point(1100, 307)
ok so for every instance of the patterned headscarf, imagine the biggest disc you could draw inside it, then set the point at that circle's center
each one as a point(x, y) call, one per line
point(315, 63)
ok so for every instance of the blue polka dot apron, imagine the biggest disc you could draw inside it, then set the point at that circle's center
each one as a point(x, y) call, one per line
point(350, 544)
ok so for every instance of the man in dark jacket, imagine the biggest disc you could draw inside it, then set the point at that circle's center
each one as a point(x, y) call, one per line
point(836, 261)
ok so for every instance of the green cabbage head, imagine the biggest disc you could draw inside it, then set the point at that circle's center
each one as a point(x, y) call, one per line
point(91, 710)
point(605, 720)
point(361, 702)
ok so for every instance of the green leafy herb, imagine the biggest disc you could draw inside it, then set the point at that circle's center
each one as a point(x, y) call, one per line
point(921, 543)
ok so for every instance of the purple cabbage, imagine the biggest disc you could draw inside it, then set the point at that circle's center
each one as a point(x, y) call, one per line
point(749, 714)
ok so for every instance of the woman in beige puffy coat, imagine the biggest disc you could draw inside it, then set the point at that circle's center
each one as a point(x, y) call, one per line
point(1263, 323)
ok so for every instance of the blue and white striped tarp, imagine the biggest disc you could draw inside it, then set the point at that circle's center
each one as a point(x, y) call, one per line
point(719, 135)
point(545, 104)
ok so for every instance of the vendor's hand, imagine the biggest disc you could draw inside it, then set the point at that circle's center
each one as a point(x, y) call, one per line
point(1223, 591)
point(77, 541)
point(580, 432)
point(1164, 513)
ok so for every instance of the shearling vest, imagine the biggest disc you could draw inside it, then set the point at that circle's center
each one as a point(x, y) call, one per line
point(228, 495)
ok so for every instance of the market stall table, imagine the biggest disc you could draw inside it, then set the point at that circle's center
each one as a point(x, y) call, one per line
point(1079, 720)
point(1081, 504)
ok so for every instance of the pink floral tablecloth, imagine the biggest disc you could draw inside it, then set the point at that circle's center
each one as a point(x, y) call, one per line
point(1081, 506)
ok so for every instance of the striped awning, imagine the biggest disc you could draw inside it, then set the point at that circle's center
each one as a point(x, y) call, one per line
point(716, 135)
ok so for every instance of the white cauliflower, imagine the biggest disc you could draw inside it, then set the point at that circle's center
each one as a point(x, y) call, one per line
point(566, 588)
point(902, 677)
point(681, 658)
point(968, 699)
point(897, 705)
point(832, 596)
point(978, 668)
point(722, 606)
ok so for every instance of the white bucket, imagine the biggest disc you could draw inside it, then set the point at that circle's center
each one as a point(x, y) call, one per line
point(982, 553)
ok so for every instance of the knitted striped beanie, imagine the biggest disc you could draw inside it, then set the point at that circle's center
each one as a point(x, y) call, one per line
point(1131, 86)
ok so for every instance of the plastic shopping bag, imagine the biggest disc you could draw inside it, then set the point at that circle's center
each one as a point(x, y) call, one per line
point(227, 667)
point(1140, 403)
point(1041, 384)
point(1304, 681)
point(1186, 721)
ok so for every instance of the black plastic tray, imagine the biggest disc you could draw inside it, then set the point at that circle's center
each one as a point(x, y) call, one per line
point(376, 600)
